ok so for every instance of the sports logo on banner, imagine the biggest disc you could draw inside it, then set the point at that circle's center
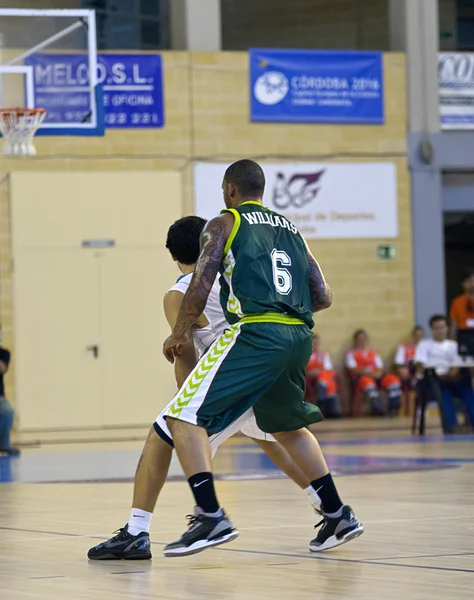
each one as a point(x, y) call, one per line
point(324, 201)
point(315, 86)
point(456, 90)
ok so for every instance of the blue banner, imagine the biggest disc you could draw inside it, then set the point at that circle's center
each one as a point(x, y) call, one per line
point(316, 86)
point(132, 86)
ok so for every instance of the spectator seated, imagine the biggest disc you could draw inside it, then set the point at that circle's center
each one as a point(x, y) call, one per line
point(6, 411)
point(321, 381)
point(405, 365)
point(366, 371)
point(439, 367)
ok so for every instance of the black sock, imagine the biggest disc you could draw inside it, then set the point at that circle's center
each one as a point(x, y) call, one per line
point(202, 487)
point(327, 491)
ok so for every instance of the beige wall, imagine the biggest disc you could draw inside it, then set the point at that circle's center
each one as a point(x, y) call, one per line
point(207, 116)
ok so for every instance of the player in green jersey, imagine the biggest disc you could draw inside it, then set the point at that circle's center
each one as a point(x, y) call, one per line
point(271, 285)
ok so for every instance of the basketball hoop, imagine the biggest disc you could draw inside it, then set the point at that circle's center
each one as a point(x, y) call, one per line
point(18, 127)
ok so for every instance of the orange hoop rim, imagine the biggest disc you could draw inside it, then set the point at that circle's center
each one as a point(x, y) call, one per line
point(20, 112)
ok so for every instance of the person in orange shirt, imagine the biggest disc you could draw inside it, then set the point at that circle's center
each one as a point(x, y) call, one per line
point(462, 307)
point(405, 356)
point(321, 383)
point(366, 368)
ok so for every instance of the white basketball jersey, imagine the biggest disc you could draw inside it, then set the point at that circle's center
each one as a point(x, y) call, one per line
point(205, 336)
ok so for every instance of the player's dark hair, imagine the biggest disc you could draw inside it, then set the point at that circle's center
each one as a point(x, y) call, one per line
point(418, 328)
point(435, 318)
point(248, 178)
point(183, 239)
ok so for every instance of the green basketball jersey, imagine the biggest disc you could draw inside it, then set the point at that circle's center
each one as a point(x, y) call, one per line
point(265, 267)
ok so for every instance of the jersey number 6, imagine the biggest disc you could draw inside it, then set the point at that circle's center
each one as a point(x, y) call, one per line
point(281, 276)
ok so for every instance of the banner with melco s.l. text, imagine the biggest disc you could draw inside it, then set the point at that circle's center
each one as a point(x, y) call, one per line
point(323, 200)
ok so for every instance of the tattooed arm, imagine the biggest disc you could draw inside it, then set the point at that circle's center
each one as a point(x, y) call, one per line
point(321, 294)
point(213, 241)
point(187, 359)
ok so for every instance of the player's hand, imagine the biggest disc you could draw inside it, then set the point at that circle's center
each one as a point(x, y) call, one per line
point(172, 348)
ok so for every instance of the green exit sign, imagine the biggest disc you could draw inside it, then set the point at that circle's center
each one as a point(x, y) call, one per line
point(387, 252)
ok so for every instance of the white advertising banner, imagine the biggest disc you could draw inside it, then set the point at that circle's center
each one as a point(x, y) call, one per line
point(323, 200)
point(456, 90)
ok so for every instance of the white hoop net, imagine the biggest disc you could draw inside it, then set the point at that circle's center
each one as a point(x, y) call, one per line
point(18, 127)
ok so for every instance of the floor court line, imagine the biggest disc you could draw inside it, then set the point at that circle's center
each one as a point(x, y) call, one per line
point(340, 560)
point(291, 555)
point(126, 572)
point(60, 536)
point(43, 539)
point(63, 534)
point(370, 561)
point(348, 560)
point(50, 577)
point(447, 555)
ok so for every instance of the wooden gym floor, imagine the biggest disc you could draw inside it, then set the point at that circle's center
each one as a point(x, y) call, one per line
point(415, 497)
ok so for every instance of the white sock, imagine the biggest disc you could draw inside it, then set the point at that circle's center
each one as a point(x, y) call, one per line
point(313, 497)
point(140, 520)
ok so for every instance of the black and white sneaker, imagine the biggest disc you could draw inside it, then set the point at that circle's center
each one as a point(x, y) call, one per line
point(203, 532)
point(123, 546)
point(337, 531)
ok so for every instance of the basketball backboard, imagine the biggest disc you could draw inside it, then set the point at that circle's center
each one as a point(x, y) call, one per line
point(48, 59)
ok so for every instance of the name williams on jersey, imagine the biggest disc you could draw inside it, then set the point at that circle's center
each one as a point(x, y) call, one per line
point(259, 218)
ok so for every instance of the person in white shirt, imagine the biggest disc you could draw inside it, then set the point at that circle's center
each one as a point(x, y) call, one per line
point(438, 358)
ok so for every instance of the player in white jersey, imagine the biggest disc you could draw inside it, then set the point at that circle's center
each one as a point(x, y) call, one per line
point(133, 542)
point(203, 336)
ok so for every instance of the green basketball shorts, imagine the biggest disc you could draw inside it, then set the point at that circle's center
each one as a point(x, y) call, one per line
point(257, 363)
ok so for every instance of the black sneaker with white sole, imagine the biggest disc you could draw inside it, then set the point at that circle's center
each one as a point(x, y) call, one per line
point(203, 532)
point(123, 546)
point(336, 531)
